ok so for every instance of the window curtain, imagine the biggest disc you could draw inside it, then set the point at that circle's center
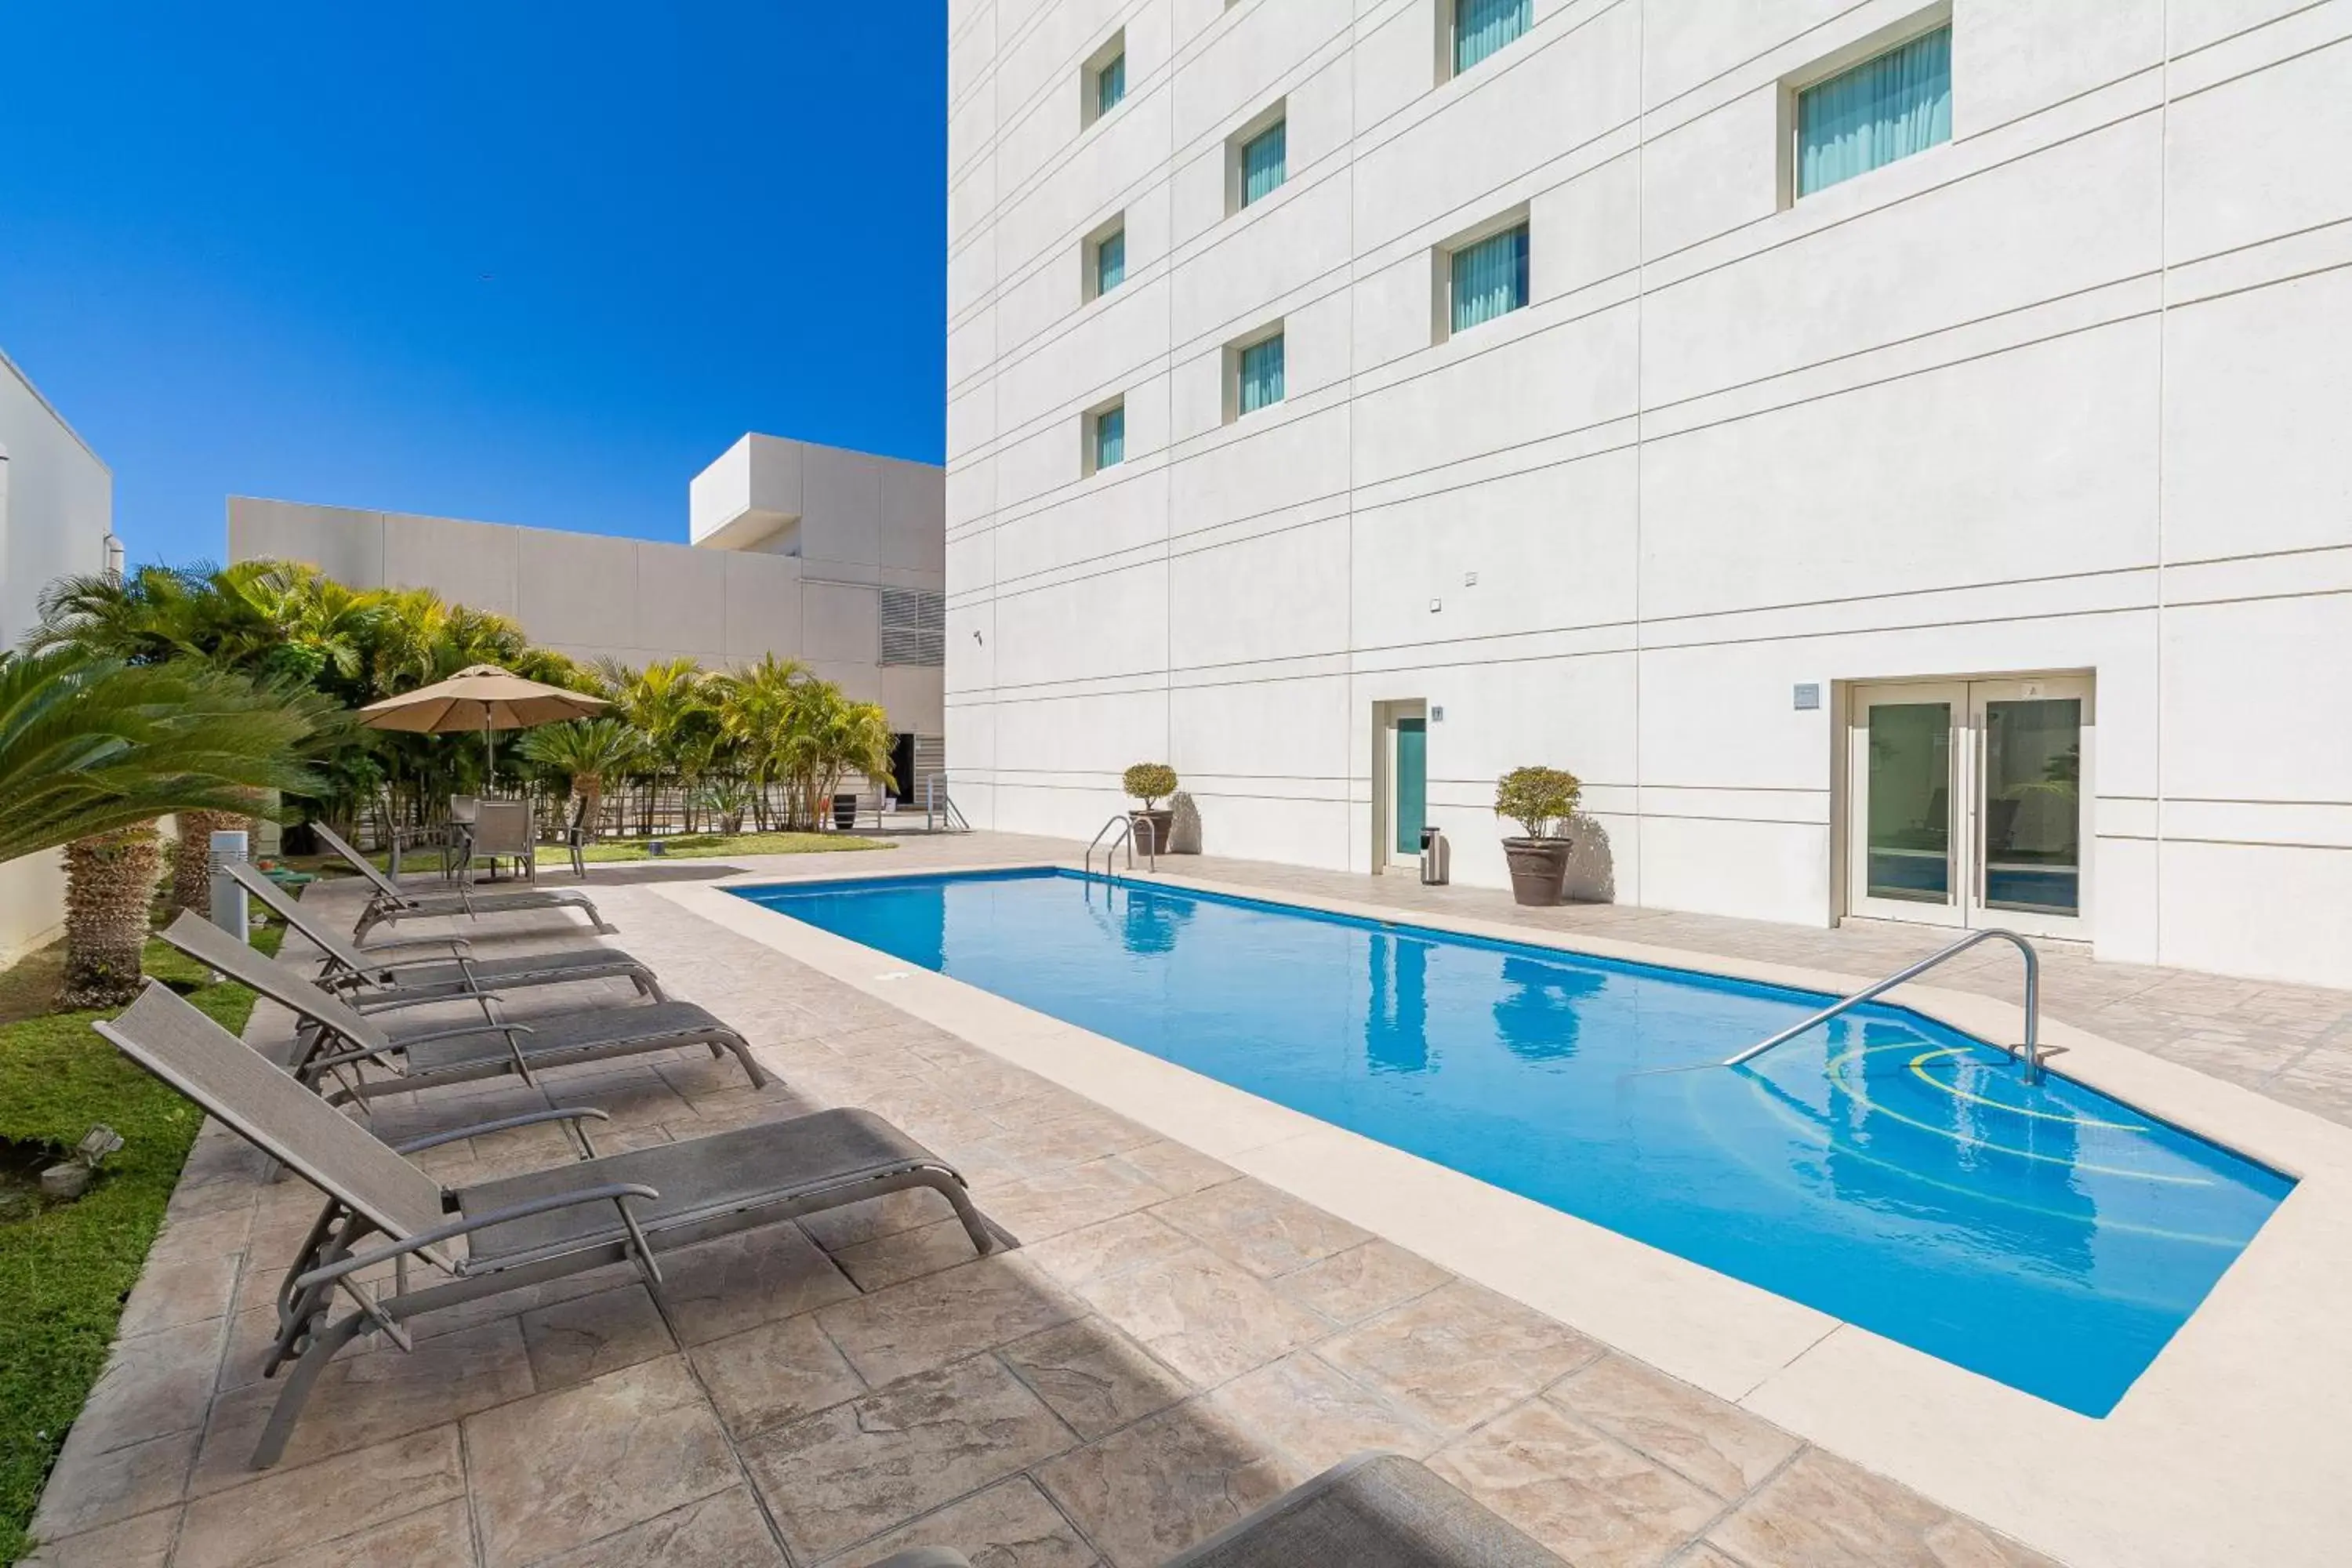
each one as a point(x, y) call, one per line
point(1883, 108)
point(1110, 436)
point(1261, 375)
point(1263, 163)
point(1490, 277)
point(1110, 86)
point(1110, 262)
point(1481, 26)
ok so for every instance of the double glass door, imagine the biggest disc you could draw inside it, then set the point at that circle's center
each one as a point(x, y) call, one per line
point(1967, 803)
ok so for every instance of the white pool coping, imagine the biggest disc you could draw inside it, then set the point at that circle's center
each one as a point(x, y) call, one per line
point(2234, 1446)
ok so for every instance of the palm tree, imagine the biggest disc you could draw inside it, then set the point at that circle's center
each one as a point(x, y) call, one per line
point(755, 706)
point(670, 706)
point(93, 750)
point(589, 752)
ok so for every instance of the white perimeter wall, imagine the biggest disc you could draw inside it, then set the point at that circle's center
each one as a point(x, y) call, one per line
point(56, 506)
point(2072, 392)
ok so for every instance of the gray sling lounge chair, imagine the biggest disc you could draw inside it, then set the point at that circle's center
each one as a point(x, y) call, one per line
point(390, 901)
point(337, 1041)
point(374, 976)
point(449, 1245)
point(1375, 1511)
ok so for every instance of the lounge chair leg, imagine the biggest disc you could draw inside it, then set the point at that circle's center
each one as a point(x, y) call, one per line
point(289, 1408)
point(985, 1238)
point(368, 921)
point(731, 1041)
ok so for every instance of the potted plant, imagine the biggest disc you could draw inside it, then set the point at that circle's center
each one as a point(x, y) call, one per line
point(1150, 783)
point(1540, 800)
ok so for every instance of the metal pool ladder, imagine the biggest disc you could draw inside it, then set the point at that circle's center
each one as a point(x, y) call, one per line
point(1121, 829)
point(2031, 1052)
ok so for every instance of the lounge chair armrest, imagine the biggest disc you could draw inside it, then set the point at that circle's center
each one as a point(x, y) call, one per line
point(504, 1123)
point(371, 1005)
point(407, 1041)
point(374, 951)
point(612, 1192)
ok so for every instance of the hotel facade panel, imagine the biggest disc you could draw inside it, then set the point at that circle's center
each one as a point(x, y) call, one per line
point(1895, 455)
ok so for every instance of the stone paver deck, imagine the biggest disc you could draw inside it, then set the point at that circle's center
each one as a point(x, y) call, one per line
point(1173, 1344)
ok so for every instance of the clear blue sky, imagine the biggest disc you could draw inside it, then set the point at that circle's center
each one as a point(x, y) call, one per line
point(532, 263)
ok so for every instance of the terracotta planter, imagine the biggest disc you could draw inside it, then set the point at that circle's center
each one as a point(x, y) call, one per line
point(1538, 869)
point(1155, 838)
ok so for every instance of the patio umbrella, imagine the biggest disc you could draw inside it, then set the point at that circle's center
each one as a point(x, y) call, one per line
point(479, 697)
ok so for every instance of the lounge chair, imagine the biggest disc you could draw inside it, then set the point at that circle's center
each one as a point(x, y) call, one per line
point(1375, 1511)
point(450, 1245)
point(371, 977)
point(338, 1043)
point(390, 901)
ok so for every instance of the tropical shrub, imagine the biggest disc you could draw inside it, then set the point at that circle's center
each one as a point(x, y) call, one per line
point(1540, 800)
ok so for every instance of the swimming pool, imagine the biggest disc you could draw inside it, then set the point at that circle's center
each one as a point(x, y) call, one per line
point(1885, 1169)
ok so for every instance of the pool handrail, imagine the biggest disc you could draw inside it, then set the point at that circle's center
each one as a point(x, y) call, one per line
point(2031, 1049)
point(1125, 823)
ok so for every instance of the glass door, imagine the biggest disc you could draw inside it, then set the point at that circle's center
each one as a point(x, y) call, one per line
point(1967, 801)
point(1405, 783)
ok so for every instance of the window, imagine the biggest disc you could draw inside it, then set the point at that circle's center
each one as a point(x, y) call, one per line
point(1258, 380)
point(1481, 26)
point(1489, 278)
point(1110, 84)
point(1109, 437)
point(1886, 107)
point(1102, 79)
point(1263, 163)
point(1110, 261)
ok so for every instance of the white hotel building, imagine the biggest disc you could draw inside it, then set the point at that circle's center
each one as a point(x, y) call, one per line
point(1901, 458)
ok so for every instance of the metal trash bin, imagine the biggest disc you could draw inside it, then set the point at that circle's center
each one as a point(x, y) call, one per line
point(1436, 858)
point(229, 909)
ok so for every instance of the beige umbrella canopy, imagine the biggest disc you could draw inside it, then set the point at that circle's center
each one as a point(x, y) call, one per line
point(479, 697)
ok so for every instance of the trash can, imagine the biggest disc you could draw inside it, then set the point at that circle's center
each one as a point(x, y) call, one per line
point(844, 811)
point(1436, 858)
point(222, 851)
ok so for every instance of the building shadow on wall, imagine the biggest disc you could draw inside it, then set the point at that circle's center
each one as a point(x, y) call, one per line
point(1591, 867)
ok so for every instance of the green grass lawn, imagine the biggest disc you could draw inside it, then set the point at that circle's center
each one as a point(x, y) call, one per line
point(683, 846)
point(64, 1272)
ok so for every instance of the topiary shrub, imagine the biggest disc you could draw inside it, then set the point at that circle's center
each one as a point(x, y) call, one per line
point(1540, 800)
point(1150, 783)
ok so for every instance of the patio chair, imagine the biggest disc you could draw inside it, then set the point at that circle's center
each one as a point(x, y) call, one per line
point(390, 901)
point(456, 832)
point(337, 1042)
point(467, 1243)
point(503, 830)
point(1375, 1511)
point(372, 977)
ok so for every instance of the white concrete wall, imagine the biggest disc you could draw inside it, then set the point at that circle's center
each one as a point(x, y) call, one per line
point(634, 600)
point(2068, 393)
point(57, 507)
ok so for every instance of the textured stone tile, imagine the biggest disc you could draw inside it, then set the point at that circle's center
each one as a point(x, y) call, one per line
point(1349, 1286)
point(725, 1286)
point(776, 1372)
point(853, 1225)
point(1093, 1376)
point(1209, 1319)
point(440, 1536)
point(872, 1465)
point(90, 1488)
point(588, 1336)
point(722, 1530)
point(1317, 1416)
point(564, 1468)
point(1010, 1525)
point(1459, 1354)
point(1710, 1441)
point(1151, 1489)
point(1267, 1231)
point(1035, 1208)
point(291, 1509)
point(1177, 1169)
point(944, 1317)
point(884, 1261)
point(142, 1542)
point(1593, 1501)
point(1111, 1248)
point(152, 1384)
point(1088, 1133)
point(1823, 1512)
point(171, 1291)
point(370, 1397)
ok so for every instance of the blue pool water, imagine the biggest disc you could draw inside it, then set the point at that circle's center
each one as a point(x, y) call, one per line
point(1885, 1169)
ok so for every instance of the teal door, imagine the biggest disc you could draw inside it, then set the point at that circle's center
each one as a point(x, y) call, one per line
point(1411, 784)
